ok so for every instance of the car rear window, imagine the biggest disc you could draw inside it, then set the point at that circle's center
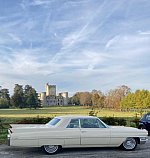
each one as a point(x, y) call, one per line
point(53, 122)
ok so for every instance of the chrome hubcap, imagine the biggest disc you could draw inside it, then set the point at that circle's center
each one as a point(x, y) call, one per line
point(51, 148)
point(129, 143)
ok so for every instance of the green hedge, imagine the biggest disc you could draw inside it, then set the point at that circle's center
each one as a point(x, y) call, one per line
point(37, 120)
point(116, 121)
point(108, 120)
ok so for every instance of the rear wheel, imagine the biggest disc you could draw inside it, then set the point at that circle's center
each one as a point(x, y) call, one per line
point(129, 144)
point(51, 149)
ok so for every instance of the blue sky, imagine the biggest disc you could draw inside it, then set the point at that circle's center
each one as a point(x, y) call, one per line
point(79, 45)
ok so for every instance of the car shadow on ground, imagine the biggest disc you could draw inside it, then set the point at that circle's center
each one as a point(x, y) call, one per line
point(65, 150)
point(72, 152)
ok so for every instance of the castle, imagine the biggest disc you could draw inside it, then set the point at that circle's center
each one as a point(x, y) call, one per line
point(49, 98)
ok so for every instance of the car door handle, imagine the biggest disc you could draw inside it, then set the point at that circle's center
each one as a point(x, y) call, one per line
point(83, 131)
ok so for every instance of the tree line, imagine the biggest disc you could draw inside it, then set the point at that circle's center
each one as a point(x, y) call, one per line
point(22, 97)
point(120, 98)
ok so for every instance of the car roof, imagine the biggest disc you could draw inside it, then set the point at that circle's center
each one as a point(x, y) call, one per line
point(75, 116)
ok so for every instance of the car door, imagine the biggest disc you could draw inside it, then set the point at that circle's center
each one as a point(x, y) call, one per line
point(72, 133)
point(147, 122)
point(94, 132)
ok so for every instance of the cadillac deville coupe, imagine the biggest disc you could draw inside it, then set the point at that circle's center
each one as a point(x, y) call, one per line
point(75, 131)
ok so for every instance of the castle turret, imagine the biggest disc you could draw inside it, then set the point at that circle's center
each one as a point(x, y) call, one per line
point(65, 97)
point(50, 90)
point(42, 97)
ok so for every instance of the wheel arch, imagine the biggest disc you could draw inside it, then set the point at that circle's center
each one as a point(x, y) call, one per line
point(137, 139)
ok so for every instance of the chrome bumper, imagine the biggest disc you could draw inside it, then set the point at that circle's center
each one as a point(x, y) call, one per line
point(8, 140)
point(143, 140)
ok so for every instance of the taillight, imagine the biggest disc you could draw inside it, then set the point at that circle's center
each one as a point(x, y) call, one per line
point(10, 131)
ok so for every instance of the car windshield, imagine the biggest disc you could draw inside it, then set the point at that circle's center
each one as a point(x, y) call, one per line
point(53, 122)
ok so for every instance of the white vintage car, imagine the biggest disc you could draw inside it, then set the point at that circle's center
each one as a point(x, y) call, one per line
point(75, 131)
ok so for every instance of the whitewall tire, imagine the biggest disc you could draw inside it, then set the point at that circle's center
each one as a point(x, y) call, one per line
point(129, 144)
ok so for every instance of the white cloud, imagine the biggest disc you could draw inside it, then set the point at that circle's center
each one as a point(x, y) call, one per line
point(144, 32)
point(112, 41)
point(15, 38)
point(41, 2)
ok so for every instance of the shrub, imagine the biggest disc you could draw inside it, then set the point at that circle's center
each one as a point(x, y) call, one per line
point(132, 124)
point(135, 121)
point(114, 121)
point(93, 113)
point(37, 120)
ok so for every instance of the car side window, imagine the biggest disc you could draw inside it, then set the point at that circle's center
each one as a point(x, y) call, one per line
point(91, 123)
point(74, 123)
point(148, 117)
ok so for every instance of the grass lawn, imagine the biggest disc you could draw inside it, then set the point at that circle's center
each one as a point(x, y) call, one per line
point(55, 111)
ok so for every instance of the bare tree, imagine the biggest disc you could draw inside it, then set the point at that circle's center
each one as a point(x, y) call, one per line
point(114, 96)
point(85, 98)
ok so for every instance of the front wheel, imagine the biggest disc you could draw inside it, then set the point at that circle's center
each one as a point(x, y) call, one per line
point(51, 149)
point(129, 144)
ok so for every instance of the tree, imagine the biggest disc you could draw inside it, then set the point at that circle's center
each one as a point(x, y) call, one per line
point(95, 99)
point(4, 98)
point(31, 97)
point(85, 98)
point(75, 100)
point(17, 98)
point(4, 103)
point(98, 98)
point(4, 93)
point(114, 96)
point(139, 99)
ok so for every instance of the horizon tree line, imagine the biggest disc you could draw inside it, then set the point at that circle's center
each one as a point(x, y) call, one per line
point(118, 98)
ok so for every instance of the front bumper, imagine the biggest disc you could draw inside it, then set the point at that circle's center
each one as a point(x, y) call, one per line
point(143, 140)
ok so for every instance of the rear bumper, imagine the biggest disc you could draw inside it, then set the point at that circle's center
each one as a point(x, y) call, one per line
point(8, 140)
point(143, 140)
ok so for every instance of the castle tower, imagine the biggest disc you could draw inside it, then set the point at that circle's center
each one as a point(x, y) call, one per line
point(42, 97)
point(65, 97)
point(50, 90)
